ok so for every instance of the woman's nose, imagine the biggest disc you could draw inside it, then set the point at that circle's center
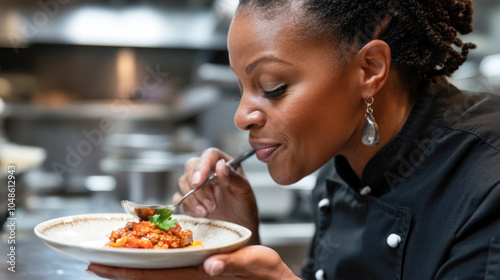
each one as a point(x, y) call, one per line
point(248, 115)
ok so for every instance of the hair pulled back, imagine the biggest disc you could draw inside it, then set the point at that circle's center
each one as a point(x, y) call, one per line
point(422, 34)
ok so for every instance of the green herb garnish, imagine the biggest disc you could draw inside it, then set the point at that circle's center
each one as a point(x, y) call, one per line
point(162, 219)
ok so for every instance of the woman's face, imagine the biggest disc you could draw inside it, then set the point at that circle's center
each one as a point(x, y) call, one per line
point(300, 105)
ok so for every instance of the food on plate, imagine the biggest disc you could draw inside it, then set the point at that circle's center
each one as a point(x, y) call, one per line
point(160, 232)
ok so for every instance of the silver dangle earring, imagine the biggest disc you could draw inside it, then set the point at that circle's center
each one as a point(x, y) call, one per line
point(370, 135)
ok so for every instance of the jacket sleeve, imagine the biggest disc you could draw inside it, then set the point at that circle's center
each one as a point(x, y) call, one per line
point(475, 254)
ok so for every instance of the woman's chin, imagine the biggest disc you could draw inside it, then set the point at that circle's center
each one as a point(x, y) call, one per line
point(283, 176)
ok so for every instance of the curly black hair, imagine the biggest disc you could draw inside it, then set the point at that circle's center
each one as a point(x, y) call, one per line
point(422, 34)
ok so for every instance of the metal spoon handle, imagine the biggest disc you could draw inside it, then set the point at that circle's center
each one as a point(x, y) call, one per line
point(207, 181)
point(233, 163)
point(239, 159)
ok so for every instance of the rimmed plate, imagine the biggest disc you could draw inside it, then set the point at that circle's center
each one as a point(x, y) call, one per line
point(83, 237)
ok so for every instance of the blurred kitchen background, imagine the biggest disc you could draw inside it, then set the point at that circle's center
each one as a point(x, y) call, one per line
point(105, 100)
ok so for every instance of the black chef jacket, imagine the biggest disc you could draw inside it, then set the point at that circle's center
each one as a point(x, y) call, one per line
point(428, 203)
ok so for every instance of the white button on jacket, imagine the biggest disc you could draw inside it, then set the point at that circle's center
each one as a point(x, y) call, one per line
point(393, 240)
point(320, 274)
point(324, 204)
point(366, 190)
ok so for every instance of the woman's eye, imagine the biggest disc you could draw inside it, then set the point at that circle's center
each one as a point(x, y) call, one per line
point(275, 93)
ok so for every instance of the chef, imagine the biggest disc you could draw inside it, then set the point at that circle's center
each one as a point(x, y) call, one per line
point(409, 186)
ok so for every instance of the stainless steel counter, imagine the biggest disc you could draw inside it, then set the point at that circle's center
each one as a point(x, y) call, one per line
point(34, 259)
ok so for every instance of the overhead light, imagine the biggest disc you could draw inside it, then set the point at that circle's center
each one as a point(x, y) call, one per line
point(140, 26)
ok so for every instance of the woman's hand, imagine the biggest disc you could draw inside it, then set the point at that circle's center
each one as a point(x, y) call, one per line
point(252, 262)
point(229, 198)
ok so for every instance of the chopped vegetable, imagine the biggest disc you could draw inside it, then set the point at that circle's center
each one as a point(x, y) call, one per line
point(163, 219)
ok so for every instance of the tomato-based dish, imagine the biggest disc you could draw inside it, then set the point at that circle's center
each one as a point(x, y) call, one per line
point(145, 235)
point(160, 232)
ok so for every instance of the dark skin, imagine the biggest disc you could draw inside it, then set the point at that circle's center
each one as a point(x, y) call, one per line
point(327, 99)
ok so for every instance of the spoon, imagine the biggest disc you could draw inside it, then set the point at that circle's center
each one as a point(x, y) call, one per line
point(144, 211)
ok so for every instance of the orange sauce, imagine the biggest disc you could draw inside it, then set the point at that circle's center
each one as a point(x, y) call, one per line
point(196, 244)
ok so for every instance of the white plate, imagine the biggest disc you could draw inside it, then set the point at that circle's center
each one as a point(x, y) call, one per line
point(83, 237)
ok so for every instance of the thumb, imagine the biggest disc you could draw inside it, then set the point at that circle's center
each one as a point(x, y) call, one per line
point(256, 262)
point(215, 265)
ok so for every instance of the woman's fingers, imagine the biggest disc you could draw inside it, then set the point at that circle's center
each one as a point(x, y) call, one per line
point(205, 165)
point(197, 170)
point(223, 172)
point(251, 262)
point(191, 206)
point(228, 198)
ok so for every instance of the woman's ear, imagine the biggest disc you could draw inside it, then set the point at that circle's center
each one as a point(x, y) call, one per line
point(375, 62)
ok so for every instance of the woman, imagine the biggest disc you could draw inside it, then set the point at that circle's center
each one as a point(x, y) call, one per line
point(410, 184)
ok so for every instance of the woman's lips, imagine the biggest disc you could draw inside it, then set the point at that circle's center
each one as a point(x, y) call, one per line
point(264, 151)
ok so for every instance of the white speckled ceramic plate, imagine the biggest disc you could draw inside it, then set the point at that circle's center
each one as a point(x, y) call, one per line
point(83, 237)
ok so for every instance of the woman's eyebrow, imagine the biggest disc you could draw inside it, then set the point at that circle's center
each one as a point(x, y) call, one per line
point(254, 64)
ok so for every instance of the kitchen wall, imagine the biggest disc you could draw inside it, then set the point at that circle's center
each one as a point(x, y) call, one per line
point(68, 65)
